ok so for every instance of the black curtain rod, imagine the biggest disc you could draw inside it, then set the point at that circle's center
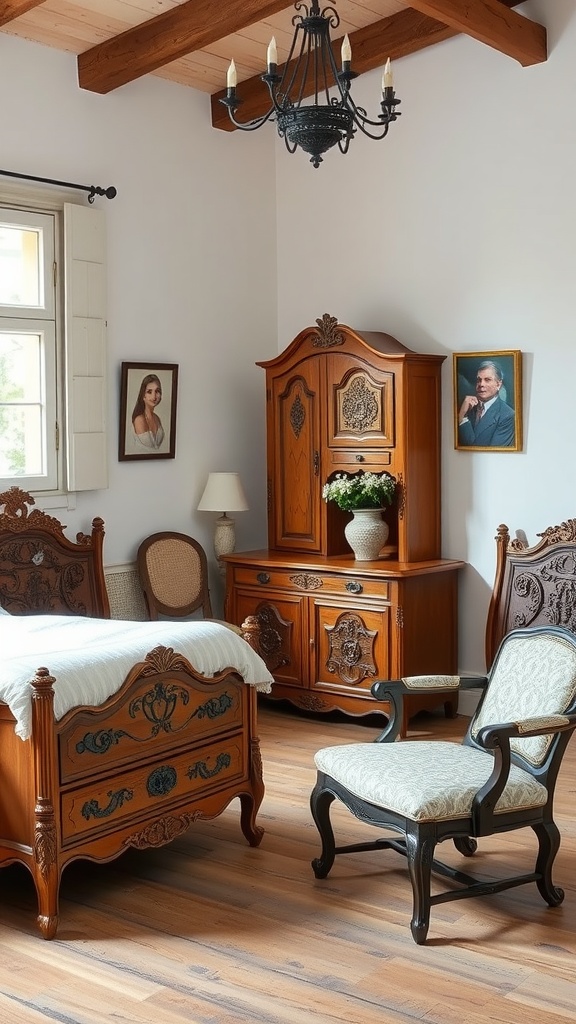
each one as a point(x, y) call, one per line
point(93, 190)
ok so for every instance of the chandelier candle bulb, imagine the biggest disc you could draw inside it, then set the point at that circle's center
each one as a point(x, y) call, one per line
point(346, 51)
point(387, 77)
point(272, 55)
point(231, 77)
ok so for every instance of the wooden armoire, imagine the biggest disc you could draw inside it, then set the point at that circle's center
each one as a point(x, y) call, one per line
point(340, 401)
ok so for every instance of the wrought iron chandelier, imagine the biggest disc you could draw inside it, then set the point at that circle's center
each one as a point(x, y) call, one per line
point(311, 70)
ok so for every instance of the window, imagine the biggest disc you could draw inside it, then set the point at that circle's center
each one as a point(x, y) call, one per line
point(28, 393)
point(52, 347)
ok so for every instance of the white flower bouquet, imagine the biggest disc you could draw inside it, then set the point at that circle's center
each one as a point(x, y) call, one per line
point(361, 490)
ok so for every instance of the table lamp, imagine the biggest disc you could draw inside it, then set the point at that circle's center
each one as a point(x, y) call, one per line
point(223, 491)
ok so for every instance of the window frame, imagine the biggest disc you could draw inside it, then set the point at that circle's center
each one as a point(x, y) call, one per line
point(46, 320)
point(80, 362)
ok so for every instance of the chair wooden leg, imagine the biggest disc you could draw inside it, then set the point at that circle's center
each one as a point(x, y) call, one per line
point(548, 846)
point(420, 854)
point(465, 845)
point(320, 802)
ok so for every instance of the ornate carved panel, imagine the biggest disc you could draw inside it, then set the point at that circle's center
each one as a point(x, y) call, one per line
point(41, 571)
point(351, 649)
point(269, 635)
point(545, 594)
point(34, 577)
point(359, 406)
point(306, 581)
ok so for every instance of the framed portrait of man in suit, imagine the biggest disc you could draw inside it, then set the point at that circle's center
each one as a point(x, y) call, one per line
point(488, 401)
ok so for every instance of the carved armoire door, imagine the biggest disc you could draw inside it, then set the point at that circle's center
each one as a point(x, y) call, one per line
point(294, 442)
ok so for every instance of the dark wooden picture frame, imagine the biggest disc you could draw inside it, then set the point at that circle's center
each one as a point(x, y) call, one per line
point(159, 440)
point(488, 401)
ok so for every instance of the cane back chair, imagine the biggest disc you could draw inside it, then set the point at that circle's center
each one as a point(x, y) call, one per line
point(173, 573)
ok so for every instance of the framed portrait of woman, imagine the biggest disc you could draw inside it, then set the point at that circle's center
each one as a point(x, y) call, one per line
point(148, 396)
point(488, 401)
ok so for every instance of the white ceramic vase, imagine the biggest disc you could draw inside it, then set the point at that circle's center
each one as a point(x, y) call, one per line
point(366, 533)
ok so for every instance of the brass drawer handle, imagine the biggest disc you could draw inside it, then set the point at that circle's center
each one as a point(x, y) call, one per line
point(354, 588)
point(360, 458)
point(263, 577)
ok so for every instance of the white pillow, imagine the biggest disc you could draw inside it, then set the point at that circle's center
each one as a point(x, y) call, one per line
point(3, 611)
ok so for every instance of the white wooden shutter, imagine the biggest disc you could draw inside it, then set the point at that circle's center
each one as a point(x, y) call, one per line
point(85, 344)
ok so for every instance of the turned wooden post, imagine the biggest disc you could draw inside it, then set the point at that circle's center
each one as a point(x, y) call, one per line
point(46, 867)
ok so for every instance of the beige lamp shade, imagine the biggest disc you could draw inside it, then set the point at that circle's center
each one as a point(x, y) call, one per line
point(223, 493)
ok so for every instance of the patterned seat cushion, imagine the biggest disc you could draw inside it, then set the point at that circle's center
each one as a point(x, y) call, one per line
point(424, 781)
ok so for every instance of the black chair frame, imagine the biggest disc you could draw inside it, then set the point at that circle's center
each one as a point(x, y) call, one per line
point(419, 839)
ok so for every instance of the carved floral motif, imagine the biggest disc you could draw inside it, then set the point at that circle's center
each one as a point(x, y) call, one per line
point(306, 581)
point(163, 659)
point(297, 415)
point(45, 846)
point(360, 408)
point(17, 516)
point(158, 706)
point(548, 594)
point(328, 335)
point(37, 578)
point(351, 649)
point(566, 532)
point(163, 831)
point(268, 636)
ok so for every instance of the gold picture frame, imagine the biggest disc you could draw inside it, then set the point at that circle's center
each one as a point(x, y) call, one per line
point(488, 401)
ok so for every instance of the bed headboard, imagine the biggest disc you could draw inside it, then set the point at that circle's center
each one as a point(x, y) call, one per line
point(534, 585)
point(41, 570)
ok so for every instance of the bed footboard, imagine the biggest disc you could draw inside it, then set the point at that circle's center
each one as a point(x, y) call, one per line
point(170, 747)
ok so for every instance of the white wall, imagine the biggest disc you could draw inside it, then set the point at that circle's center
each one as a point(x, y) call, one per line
point(456, 234)
point(192, 275)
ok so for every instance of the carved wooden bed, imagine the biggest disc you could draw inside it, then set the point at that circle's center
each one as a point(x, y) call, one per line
point(533, 586)
point(170, 746)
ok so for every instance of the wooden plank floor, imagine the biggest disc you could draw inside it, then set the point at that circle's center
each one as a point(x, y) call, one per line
point(210, 931)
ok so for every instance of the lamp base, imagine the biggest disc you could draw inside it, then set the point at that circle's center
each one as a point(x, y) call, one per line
point(224, 538)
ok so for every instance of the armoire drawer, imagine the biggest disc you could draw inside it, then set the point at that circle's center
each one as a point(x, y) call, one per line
point(376, 460)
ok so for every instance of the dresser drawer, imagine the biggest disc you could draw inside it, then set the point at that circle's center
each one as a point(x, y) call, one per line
point(116, 800)
point(149, 723)
point(376, 460)
point(309, 581)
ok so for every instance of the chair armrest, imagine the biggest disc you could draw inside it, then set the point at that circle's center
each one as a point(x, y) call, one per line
point(394, 691)
point(497, 738)
point(491, 736)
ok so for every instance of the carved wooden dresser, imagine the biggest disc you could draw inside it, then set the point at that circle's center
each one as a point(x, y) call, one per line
point(327, 625)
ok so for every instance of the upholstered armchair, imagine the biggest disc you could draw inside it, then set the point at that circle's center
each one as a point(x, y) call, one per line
point(501, 777)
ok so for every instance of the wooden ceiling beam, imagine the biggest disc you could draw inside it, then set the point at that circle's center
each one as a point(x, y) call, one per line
point(485, 20)
point(169, 36)
point(394, 37)
point(10, 9)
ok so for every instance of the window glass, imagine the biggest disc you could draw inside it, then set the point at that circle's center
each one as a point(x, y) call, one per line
point(21, 276)
point(21, 405)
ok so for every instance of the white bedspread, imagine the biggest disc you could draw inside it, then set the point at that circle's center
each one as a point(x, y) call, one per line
point(90, 658)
